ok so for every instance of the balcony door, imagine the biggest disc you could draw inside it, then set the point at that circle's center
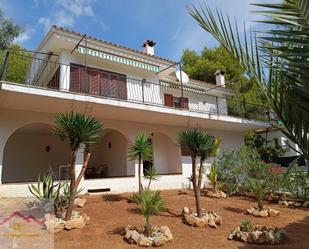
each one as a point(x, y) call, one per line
point(98, 82)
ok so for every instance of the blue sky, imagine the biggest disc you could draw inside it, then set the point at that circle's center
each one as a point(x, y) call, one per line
point(125, 22)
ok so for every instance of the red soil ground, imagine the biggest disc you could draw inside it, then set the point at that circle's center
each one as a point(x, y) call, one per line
point(111, 213)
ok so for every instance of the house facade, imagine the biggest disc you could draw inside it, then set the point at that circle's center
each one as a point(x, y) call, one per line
point(129, 91)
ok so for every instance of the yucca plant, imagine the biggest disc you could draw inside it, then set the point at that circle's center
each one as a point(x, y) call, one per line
point(80, 131)
point(213, 170)
point(198, 143)
point(150, 203)
point(277, 59)
point(141, 150)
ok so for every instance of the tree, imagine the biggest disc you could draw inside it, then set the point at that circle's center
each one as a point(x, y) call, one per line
point(8, 31)
point(269, 150)
point(141, 150)
point(203, 66)
point(198, 143)
point(276, 59)
point(80, 131)
point(18, 63)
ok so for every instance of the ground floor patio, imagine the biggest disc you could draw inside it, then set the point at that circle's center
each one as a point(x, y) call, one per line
point(105, 232)
point(29, 148)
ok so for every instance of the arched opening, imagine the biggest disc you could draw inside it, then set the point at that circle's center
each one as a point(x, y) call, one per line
point(110, 157)
point(33, 150)
point(166, 154)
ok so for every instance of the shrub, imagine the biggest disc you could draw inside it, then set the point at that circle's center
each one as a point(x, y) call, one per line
point(233, 167)
point(245, 225)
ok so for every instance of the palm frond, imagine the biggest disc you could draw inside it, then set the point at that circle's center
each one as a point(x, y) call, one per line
point(283, 51)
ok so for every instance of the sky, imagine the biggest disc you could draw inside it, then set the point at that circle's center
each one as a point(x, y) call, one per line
point(125, 22)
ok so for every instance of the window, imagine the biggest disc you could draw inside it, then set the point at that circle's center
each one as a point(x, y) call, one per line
point(177, 102)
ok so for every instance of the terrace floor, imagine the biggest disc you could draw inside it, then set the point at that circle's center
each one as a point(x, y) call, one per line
point(111, 213)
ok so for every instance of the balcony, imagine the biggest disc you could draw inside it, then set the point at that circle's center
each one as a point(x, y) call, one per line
point(43, 71)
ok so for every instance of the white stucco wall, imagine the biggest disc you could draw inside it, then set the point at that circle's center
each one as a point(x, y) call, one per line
point(25, 157)
point(115, 157)
point(166, 155)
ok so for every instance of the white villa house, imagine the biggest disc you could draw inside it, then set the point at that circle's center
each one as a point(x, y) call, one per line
point(130, 91)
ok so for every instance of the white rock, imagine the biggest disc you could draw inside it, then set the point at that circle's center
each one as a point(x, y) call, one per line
point(80, 202)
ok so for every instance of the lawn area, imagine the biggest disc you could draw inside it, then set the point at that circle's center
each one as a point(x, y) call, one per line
point(111, 213)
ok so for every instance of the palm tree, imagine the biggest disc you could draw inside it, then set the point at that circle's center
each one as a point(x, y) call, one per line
point(141, 150)
point(276, 59)
point(79, 130)
point(198, 143)
point(150, 203)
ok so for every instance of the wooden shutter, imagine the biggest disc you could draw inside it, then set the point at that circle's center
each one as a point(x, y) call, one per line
point(122, 84)
point(105, 84)
point(84, 79)
point(114, 86)
point(168, 100)
point(184, 103)
point(94, 82)
point(74, 78)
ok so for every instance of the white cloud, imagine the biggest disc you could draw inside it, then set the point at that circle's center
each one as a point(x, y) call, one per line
point(66, 12)
point(24, 36)
point(104, 27)
point(63, 19)
point(46, 22)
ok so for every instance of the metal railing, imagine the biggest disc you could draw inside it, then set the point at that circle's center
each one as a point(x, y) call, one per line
point(43, 71)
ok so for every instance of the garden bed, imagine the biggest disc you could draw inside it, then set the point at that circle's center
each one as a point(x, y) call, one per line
point(109, 217)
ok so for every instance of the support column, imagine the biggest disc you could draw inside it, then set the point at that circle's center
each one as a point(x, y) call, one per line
point(64, 60)
point(2, 144)
point(79, 161)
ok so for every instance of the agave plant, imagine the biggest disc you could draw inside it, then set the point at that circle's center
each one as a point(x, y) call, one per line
point(46, 189)
point(276, 59)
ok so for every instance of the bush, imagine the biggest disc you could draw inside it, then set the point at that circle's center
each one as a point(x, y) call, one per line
point(297, 184)
point(245, 225)
point(233, 167)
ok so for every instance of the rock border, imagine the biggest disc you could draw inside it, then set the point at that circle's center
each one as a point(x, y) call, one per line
point(219, 194)
point(295, 204)
point(55, 224)
point(159, 236)
point(208, 218)
point(259, 235)
point(263, 213)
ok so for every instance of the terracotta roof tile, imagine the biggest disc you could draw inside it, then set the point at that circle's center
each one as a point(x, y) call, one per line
point(113, 44)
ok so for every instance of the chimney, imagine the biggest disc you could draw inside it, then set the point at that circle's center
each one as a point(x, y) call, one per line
point(149, 47)
point(220, 81)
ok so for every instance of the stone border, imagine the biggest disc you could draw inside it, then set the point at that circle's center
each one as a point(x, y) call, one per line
point(55, 224)
point(158, 237)
point(263, 213)
point(259, 235)
point(209, 218)
point(295, 204)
